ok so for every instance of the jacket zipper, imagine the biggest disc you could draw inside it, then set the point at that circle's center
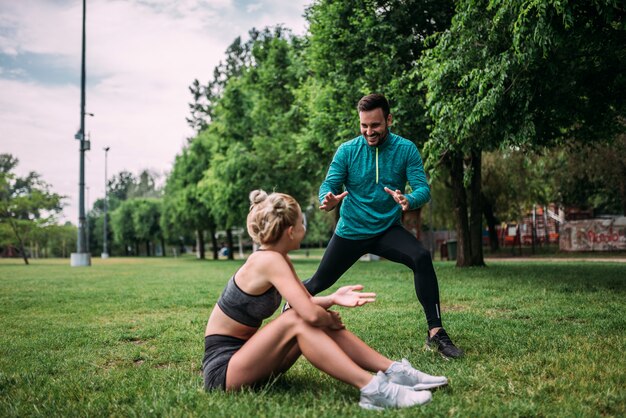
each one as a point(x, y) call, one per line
point(376, 165)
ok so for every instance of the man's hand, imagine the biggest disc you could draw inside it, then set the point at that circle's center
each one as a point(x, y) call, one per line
point(399, 198)
point(331, 200)
point(351, 296)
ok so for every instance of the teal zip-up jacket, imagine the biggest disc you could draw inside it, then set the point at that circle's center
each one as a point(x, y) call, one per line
point(365, 171)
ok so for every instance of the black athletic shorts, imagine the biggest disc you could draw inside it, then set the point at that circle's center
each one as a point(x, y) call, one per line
point(218, 349)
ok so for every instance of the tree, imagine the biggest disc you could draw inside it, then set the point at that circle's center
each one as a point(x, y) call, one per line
point(146, 222)
point(123, 226)
point(26, 203)
point(119, 186)
point(512, 182)
point(319, 225)
point(145, 185)
point(183, 208)
point(199, 108)
point(62, 239)
point(138, 220)
point(591, 176)
point(251, 134)
point(518, 74)
point(357, 47)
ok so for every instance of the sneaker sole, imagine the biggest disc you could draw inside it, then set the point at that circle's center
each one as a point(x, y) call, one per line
point(429, 386)
point(371, 407)
point(429, 348)
point(380, 408)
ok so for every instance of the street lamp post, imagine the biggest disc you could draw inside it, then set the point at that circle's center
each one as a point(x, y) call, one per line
point(87, 237)
point(105, 250)
point(82, 257)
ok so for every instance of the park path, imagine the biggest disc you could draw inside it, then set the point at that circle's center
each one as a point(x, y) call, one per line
point(559, 259)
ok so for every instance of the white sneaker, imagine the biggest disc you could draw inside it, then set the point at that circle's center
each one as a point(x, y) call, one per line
point(380, 393)
point(404, 374)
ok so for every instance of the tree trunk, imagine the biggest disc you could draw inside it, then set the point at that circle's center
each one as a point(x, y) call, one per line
point(476, 211)
point(229, 238)
point(463, 256)
point(494, 243)
point(622, 189)
point(162, 247)
point(19, 240)
point(214, 244)
point(200, 244)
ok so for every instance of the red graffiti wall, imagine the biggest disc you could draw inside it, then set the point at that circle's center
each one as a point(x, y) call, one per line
point(594, 235)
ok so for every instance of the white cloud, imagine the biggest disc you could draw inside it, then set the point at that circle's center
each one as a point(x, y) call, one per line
point(253, 7)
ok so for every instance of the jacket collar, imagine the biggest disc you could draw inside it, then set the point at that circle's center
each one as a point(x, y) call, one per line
point(385, 144)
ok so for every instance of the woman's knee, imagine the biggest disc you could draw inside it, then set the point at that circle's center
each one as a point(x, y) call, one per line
point(292, 320)
point(295, 323)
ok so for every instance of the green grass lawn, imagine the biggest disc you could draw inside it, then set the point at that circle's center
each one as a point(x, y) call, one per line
point(125, 338)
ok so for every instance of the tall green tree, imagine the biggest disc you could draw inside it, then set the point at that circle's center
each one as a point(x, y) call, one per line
point(146, 223)
point(120, 186)
point(183, 209)
point(251, 134)
point(138, 221)
point(123, 226)
point(357, 47)
point(62, 239)
point(524, 74)
point(26, 203)
point(199, 108)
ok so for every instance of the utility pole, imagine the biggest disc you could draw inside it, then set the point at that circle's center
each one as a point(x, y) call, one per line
point(105, 250)
point(82, 257)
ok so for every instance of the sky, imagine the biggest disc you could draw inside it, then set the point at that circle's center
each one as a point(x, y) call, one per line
point(141, 56)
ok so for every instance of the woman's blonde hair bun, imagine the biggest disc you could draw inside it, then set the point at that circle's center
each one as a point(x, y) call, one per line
point(270, 214)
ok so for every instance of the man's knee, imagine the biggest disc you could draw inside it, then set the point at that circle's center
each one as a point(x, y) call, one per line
point(309, 284)
point(314, 285)
point(421, 257)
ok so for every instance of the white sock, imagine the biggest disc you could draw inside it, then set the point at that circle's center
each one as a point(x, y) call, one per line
point(372, 385)
point(390, 369)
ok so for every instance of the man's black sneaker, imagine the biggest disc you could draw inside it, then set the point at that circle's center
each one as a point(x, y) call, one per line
point(286, 307)
point(442, 343)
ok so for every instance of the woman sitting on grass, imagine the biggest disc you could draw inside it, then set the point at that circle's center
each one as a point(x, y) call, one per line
point(239, 353)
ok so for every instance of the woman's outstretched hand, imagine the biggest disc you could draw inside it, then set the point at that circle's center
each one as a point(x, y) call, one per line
point(351, 296)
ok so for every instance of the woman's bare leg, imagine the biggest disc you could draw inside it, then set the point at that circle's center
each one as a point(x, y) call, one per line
point(362, 354)
point(289, 359)
point(266, 353)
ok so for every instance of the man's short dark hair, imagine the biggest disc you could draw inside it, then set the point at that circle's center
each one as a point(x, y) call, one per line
point(374, 101)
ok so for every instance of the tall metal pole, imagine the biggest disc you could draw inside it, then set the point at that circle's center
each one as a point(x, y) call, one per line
point(82, 257)
point(105, 250)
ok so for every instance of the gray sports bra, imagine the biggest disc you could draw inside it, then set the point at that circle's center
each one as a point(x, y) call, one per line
point(248, 309)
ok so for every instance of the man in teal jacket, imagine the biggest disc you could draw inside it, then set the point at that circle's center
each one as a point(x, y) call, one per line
point(374, 168)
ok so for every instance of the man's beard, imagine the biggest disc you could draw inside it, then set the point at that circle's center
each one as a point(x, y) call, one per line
point(381, 138)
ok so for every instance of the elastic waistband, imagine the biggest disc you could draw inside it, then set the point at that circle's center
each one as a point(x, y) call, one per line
point(219, 338)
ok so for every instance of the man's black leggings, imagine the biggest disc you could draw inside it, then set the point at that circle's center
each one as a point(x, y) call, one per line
point(396, 244)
